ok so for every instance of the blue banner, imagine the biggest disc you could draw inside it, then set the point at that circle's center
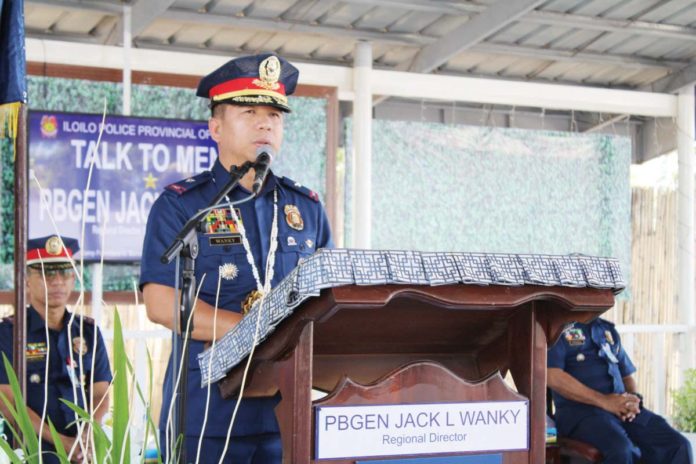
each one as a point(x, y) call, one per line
point(13, 82)
point(135, 160)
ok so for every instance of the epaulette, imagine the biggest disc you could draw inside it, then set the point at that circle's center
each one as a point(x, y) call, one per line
point(186, 185)
point(300, 188)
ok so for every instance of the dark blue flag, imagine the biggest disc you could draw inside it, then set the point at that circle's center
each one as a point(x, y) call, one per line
point(13, 80)
point(13, 83)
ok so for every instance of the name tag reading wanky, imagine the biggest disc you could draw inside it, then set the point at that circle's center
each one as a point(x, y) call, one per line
point(404, 429)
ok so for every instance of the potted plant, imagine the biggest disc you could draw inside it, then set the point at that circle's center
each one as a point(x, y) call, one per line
point(685, 407)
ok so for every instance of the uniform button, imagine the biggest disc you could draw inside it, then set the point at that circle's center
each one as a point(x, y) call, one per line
point(227, 248)
point(302, 246)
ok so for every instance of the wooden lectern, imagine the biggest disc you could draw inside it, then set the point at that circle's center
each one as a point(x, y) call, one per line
point(401, 344)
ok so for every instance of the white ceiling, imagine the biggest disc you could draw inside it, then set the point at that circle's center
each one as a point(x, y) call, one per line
point(626, 44)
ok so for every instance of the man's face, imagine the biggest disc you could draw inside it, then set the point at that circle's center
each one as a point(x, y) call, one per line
point(55, 294)
point(240, 130)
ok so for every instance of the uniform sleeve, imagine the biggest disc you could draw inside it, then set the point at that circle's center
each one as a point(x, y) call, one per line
point(102, 370)
point(556, 355)
point(626, 366)
point(324, 239)
point(6, 349)
point(164, 222)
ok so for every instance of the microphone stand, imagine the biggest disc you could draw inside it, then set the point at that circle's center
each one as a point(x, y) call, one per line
point(185, 246)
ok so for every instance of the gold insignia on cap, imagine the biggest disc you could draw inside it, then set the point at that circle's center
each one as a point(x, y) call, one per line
point(79, 345)
point(53, 245)
point(35, 378)
point(293, 217)
point(229, 271)
point(269, 73)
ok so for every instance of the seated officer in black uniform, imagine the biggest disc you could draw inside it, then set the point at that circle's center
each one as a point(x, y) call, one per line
point(242, 250)
point(596, 401)
point(53, 339)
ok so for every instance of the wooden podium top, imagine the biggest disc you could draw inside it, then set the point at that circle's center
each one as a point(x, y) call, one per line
point(405, 285)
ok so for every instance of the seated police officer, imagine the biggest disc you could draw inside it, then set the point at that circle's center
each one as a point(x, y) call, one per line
point(596, 401)
point(242, 250)
point(78, 366)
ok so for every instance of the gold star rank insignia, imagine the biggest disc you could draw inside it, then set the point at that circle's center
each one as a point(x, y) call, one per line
point(150, 181)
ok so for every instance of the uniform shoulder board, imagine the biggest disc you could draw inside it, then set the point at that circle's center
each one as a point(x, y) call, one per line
point(300, 188)
point(185, 185)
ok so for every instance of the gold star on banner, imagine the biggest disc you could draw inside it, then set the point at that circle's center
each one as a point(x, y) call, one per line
point(150, 181)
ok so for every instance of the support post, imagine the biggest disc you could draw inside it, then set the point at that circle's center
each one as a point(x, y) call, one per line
point(362, 146)
point(21, 178)
point(685, 223)
point(127, 43)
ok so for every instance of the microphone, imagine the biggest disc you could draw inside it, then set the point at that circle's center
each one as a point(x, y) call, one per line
point(264, 158)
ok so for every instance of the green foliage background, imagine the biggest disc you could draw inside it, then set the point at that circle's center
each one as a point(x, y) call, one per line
point(685, 403)
point(448, 187)
point(303, 158)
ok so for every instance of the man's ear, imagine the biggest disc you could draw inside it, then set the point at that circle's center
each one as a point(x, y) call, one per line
point(214, 128)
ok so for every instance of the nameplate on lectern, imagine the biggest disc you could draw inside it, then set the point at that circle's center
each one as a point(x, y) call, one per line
point(417, 429)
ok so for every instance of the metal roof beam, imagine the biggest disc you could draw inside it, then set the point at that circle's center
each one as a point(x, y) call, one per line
point(426, 6)
point(143, 13)
point(475, 30)
point(675, 81)
point(629, 61)
point(100, 6)
point(392, 83)
point(67, 36)
point(307, 10)
point(195, 17)
point(667, 31)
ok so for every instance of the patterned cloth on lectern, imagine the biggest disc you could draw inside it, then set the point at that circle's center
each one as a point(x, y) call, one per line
point(334, 268)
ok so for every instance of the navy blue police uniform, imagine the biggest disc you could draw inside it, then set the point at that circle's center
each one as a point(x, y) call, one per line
point(592, 353)
point(266, 80)
point(302, 228)
point(75, 355)
point(69, 355)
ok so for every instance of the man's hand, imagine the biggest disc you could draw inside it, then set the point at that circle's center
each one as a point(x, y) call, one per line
point(79, 451)
point(624, 405)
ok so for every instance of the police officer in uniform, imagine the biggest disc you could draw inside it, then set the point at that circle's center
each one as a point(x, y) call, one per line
point(284, 223)
point(69, 351)
point(594, 392)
